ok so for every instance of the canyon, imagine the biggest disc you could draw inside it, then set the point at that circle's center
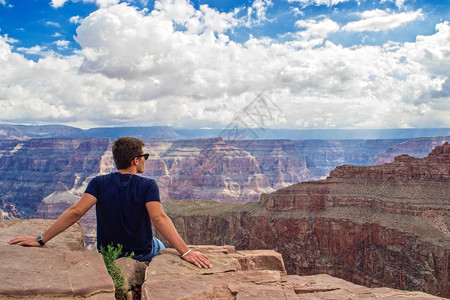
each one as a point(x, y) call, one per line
point(64, 264)
point(360, 210)
point(34, 172)
point(385, 225)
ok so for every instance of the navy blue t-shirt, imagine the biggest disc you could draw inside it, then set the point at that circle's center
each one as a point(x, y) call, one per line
point(122, 217)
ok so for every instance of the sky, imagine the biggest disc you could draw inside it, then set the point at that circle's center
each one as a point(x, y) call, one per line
point(297, 64)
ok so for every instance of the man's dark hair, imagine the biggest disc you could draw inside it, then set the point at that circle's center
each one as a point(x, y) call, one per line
point(125, 149)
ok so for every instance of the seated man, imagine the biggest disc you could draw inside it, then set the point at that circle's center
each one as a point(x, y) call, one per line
point(126, 207)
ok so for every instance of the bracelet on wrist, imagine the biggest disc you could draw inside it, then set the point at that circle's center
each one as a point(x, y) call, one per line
point(182, 256)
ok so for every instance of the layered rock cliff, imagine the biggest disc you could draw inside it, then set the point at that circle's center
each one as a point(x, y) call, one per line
point(59, 270)
point(384, 225)
point(417, 147)
point(325, 155)
point(32, 169)
point(205, 169)
point(279, 160)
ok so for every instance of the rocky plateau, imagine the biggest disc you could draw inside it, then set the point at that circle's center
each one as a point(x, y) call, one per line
point(385, 225)
point(64, 269)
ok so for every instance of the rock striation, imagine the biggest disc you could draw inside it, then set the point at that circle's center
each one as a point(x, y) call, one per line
point(59, 271)
point(417, 147)
point(245, 274)
point(56, 271)
point(279, 160)
point(384, 225)
point(205, 169)
point(32, 169)
point(36, 174)
point(324, 155)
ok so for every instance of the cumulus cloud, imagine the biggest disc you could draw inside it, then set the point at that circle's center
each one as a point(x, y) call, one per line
point(256, 13)
point(35, 50)
point(176, 66)
point(75, 20)
point(57, 3)
point(62, 44)
point(378, 20)
point(315, 31)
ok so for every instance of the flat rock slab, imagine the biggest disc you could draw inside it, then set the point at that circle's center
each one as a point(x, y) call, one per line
point(62, 269)
point(234, 275)
point(327, 287)
point(249, 275)
point(228, 285)
point(71, 239)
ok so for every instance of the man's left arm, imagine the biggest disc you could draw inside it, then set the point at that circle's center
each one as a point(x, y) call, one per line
point(165, 226)
point(69, 217)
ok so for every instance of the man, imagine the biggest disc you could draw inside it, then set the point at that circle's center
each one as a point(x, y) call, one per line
point(126, 207)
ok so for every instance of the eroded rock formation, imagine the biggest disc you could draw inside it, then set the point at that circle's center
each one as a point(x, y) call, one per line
point(60, 270)
point(384, 225)
point(417, 147)
point(56, 271)
point(30, 170)
point(205, 169)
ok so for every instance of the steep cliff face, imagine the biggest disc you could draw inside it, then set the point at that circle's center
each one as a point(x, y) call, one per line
point(280, 160)
point(32, 169)
point(384, 225)
point(417, 147)
point(325, 155)
point(205, 169)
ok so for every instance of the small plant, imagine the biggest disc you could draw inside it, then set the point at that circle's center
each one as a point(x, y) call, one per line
point(110, 254)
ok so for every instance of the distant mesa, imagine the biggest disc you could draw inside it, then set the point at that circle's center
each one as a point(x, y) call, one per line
point(385, 225)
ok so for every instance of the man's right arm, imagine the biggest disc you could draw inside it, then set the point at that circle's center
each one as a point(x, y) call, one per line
point(67, 219)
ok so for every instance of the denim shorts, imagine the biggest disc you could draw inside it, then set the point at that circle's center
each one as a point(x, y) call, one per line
point(157, 246)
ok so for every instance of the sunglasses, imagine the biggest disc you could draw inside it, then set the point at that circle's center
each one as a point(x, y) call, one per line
point(145, 156)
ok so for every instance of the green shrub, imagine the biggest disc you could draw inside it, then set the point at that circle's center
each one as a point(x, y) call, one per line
point(110, 254)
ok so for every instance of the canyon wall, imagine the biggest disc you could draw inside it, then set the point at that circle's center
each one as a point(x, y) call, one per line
point(325, 155)
point(41, 177)
point(384, 225)
point(417, 147)
point(32, 169)
point(210, 168)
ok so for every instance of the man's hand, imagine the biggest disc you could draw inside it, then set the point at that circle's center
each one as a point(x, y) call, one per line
point(25, 240)
point(198, 259)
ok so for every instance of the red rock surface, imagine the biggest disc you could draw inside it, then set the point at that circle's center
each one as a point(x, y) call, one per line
point(205, 169)
point(384, 225)
point(257, 275)
point(64, 269)
point(56, 271)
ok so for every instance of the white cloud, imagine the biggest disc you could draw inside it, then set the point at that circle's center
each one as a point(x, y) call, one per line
point(100, 3)
point(63, 44)
point(136, 68)
point(378, 20)
point(9, 40)
point(58, 3)
point(52, 24)
point(315, 31)
point(328, 3)
point(75, 20)
point(256, 13)
point(36, 50)
point(398, 3)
